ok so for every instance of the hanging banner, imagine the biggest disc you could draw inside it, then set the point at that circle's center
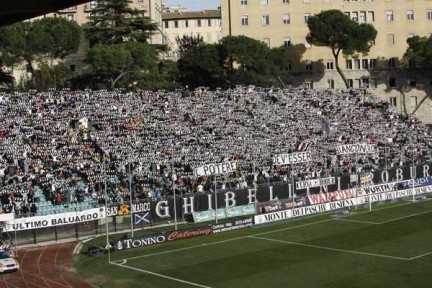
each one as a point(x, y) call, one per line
point(315, 183)
point(292, 158)
point(359, 148)
point(216, 169)
point(55, 219)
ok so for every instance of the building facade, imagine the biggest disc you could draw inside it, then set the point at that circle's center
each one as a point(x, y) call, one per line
point(81, 13)
point(179, 23)
point(284, 23)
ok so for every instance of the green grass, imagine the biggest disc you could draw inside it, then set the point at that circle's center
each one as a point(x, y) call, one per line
point(384, 248)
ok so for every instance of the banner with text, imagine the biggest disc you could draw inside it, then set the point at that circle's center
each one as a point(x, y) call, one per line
point(359, 148)
point(292, 158)
point(216, 169)
point(55, 219)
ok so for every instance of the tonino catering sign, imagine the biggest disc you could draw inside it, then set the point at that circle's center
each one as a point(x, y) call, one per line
point(359, 148)
point(55, 220)
point(142, 241)
point(292, 158)
point(216, 169)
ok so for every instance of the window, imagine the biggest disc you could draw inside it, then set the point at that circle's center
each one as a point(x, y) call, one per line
point(365, 63)
point(329, 64)
point(350, 83)
point(393, 101)
point(356, 63)
point(243, 2)
point(410, 15)
point(306, 17)
point(93, 4)
point(390, 39)
point(349, 64)
point(286, 19)
point(209, 24)
point(287, 42)
point(354, 16)
point(392, 62)
point(358, 83)
point(389, 15)
point(309, 84)
point(166, 24)
point(267, 41)
point(176, 25)
point(330, 83)
point(186, 23)
point(365, 83)
point(70, 17)
point(392, 82)
point(411, 63)
point(362, 16)
point(265, 19)
point(372, 63)
point(245, 20)
point(285, 1)
point(429, 14)
point(308, 66)
point(199, 23)
point(370, 16)
point(264, 2)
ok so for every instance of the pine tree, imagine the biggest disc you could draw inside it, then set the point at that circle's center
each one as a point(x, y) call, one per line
point(116, 22)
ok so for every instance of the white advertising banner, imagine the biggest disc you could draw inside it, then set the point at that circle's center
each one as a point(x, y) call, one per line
point(359, 148)
point(6, 217)
point(54, 220)
point(335, 205)
point(292, 158)
point(216, 169)
point(315, 183)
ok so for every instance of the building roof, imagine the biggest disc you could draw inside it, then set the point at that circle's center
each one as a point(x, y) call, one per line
point(192, 15)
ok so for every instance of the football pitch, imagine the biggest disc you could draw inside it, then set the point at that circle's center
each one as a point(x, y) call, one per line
point(390, 246)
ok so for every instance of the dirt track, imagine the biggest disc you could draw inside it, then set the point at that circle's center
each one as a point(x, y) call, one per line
point(49, 266)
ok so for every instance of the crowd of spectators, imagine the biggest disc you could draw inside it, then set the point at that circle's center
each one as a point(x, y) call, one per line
point(70, 146)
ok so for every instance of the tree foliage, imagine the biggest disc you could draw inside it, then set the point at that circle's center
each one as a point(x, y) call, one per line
point(187, 43)
point(334, 29)
point(116, 22)
point(420, 50)
point(113, 63)
point(202, 66)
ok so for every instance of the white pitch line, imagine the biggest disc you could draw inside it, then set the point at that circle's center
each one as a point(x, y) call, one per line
point(162, 276)
point(330, 248)
point(404, 217)
point(420, 256)
point(224, 241)
point(356, 221)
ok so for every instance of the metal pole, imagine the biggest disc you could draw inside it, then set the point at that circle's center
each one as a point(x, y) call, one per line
point(130, 199)
point(174, 178)
point(215, 192)
point(106, 206)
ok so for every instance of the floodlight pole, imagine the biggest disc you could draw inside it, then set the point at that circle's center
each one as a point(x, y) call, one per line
point(106, 210)
point(130, 199)
point(174, 178)
point(215, 192)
